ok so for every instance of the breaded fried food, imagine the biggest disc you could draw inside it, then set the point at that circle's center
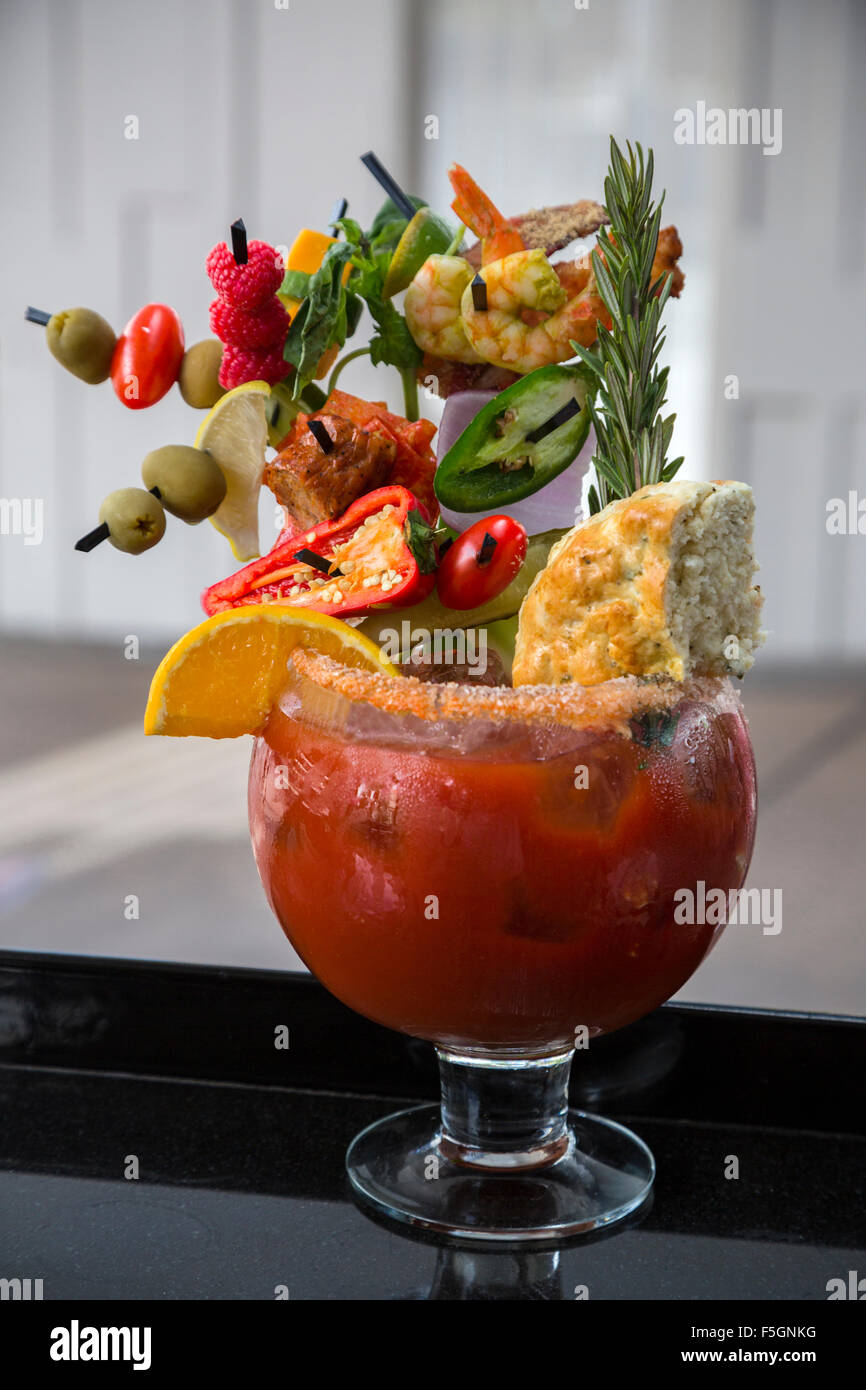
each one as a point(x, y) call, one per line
point(552, 228)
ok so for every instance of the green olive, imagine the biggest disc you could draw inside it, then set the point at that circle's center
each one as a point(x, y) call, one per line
point(191, 485)
point(199, 374)
point(82, 342)
point(135, 519)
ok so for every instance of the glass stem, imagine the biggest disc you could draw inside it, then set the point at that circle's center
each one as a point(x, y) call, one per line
point(504, 1114)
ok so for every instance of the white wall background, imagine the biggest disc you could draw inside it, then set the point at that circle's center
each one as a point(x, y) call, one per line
point(774, 245)
point(244, 109)
point(249, 109)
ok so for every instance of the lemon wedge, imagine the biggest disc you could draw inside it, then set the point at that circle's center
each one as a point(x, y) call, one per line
point(235, 434)
point(223, 678)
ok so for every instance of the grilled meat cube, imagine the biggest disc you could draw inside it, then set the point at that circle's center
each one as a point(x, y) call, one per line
point(315, 486)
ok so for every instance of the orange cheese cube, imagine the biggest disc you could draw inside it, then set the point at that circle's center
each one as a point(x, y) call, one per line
point(307, 253)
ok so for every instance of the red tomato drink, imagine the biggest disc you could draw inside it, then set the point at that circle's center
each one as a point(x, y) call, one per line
point(494, 869)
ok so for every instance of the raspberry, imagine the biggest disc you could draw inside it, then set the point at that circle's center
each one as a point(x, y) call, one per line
point(245, 286)
point(242, 364)
point(264, 328)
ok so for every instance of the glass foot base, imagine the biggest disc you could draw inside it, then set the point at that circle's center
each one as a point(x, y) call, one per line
point(399, 1166)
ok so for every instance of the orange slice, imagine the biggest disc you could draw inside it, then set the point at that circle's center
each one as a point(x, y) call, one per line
point(223, 678)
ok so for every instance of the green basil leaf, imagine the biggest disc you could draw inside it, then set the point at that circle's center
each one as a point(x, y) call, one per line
point(419, 538)
point(393, 343)
point(370, 257)
point(296, 284)
point(321, 320)
point(351, 229)
point(354, 310)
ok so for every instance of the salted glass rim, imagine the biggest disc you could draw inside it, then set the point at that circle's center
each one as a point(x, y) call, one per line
point(608, 705)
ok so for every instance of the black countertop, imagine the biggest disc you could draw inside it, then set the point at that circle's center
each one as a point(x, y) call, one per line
point(108, 1067)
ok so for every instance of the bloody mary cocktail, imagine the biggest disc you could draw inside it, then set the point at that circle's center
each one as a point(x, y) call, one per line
point(492, 869)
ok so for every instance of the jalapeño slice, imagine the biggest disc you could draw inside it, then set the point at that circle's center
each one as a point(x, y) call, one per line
point(519, 441)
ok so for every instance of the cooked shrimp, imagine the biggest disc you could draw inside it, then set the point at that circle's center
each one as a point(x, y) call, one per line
point(472, 205)
point(432, 308)
point(535, 310)
point(526, 283)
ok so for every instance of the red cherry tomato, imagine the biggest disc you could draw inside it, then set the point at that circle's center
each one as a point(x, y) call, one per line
point(147, 356)
point(475, 569)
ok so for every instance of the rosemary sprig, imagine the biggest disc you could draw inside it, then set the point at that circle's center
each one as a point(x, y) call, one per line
point(632, 438)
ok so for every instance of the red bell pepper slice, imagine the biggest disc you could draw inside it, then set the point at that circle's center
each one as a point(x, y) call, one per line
point(380, 552)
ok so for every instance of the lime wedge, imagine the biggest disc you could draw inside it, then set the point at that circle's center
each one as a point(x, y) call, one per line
point(426, 235)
